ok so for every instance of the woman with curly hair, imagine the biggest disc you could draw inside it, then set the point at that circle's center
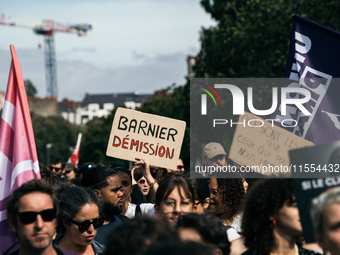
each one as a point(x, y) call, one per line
point(226, 200)
point(271, 221)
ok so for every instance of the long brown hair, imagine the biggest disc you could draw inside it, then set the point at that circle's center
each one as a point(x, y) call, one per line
point(169, 183)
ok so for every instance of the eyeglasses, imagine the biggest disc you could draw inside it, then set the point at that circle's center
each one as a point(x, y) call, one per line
point(143, 181)
point(57, 169)
point(84, 225)
point(68, 171)
point(180, 167)
point(30, 216)
point(169, 205)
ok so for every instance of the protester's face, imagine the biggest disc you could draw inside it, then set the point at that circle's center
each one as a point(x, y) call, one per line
point(176, 204)
point(126, 184)
point(37, 235)
point(70, 174)
point(201, 206)
point(112, 195)
point(330, 241)
point(218, 160)
point(57, 168)
point(180, 166)
point(144, 186)
point(214, 198)
point(189, 235)
point(288, 219)
point(83, 238)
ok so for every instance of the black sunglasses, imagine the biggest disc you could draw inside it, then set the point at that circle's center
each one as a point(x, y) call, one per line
point(143, 181)
point(30, 216)
point(84, 225)
point(57, 169)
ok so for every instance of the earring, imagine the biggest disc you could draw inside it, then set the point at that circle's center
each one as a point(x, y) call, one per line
point(273, 224)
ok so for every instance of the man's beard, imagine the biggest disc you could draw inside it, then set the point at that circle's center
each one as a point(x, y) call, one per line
point(110, 209)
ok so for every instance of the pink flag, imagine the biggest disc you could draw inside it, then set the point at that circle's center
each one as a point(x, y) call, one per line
point(74, 158)
point(18, 154)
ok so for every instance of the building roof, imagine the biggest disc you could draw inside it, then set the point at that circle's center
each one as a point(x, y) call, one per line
point(62, 107)
point(118, 99)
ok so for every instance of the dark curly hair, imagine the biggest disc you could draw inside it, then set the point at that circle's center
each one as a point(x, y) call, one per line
point(231, 197)
point(264, 199)
point(209, 227)
point(71, 199)
point(135, 236)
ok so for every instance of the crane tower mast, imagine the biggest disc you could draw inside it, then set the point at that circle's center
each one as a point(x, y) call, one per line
point(47, 29)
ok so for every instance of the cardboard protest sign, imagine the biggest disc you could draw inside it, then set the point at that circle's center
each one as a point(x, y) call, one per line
point(319, 161)
point(155, 138)
point(260, 143)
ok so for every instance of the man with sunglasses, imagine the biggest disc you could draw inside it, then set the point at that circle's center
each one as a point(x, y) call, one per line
point(57, 166)
point(31, 213)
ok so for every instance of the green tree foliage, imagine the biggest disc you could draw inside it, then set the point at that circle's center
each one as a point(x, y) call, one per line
point(31, 91)
point(173, 102)
point(57, 131)
point(251, 38)
point(94, 142)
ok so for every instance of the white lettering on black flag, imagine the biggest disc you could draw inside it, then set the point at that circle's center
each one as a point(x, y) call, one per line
point(313, 64)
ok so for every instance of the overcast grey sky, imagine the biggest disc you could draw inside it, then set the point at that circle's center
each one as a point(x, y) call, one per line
point(135, 45)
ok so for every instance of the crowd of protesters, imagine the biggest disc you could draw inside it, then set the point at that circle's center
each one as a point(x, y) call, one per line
point(99, 209)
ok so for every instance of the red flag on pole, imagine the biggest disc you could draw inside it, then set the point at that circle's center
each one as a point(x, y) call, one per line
point(18, 154)
point(74, 158)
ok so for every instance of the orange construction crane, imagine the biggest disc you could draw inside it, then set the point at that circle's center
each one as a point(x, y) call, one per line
point(47, 29)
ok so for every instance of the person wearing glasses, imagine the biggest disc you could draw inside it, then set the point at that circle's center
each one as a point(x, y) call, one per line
point(174, 197)
point(133, 204)
point(144, 185)
point(57, 166)
point(31, 213)
point(78, 220)
point(202, 192)
point(179, 168)
point(70, 171)
point(143, 178)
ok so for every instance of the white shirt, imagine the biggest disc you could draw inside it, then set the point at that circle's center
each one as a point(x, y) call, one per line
point(146, 209)
point(232, 234)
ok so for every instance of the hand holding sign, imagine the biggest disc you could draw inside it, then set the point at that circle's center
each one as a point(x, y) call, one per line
point(145, 165)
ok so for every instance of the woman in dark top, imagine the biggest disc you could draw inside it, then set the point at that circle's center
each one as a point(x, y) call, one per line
point(271, 221)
